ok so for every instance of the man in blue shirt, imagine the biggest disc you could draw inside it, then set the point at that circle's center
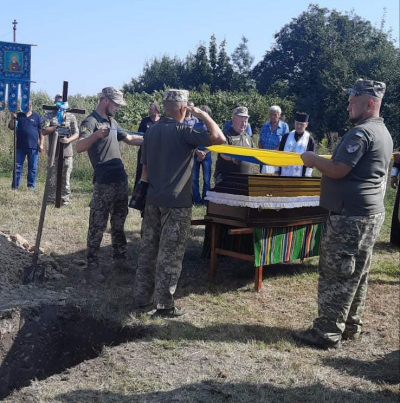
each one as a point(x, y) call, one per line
point(271, 134)
point(189, 119)
point(29, 144)
point(202, 157)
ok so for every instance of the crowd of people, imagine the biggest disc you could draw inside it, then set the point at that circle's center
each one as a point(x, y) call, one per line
point(171, 153)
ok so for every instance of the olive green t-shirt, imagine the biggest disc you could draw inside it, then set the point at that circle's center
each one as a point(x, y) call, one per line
point(167, 152)
point(367, 149)
point(224, 167)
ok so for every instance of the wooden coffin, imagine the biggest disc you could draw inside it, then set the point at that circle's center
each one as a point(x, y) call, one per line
point(264, 185)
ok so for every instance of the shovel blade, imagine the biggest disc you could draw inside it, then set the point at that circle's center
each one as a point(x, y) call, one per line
point(34, 274)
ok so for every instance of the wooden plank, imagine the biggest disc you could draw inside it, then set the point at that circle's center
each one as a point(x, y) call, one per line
point(199, 222)
point(213, 254)
point(240, 231)
point(237, 255)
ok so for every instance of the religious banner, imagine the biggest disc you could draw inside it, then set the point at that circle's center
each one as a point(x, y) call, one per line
point(15, 75)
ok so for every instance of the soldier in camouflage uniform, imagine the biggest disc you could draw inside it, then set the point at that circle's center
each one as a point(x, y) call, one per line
point(352, 188)
point(167, 158)
point(99, 136)
point(50, 126)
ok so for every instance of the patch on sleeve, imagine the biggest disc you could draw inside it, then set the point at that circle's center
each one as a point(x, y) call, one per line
point(353, 147)
point(360, 134)
point(84, 130)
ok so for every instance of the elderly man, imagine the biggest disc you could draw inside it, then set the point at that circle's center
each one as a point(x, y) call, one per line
point(167, 216)
point(297, 141)
point(228, 124)
point(99, 136)
point(236, 136)
point(352, 189)
point(271, 134)
point(50, 126)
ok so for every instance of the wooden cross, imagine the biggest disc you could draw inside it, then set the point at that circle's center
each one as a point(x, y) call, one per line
point(15, 29)
point(56, 139)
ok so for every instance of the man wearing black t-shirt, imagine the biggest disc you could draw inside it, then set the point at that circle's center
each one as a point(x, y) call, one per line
point(145, 124)
point(99, 136)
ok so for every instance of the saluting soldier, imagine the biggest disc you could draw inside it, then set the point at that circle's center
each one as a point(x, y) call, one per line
point(167, 158)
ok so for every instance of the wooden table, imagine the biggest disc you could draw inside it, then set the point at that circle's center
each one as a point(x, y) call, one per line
point(217, 249)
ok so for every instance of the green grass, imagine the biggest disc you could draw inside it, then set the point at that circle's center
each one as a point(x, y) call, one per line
point(234, 345)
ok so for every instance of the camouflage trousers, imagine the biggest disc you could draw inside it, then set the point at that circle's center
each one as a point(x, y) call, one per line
point(109, 200)
point(164, 234)
point(344, 263)
point(65, 183)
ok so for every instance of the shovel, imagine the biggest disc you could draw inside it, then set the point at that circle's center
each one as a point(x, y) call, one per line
point(36, 272)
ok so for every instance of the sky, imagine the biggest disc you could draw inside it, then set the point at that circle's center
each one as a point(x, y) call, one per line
point(95, 44)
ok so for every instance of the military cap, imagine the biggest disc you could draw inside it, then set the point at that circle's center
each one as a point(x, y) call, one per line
point(370, 87)
point(115, 95)
point(176, 95)
point(241, 111)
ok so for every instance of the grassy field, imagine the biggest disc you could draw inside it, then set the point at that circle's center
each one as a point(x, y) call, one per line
point(233, 345)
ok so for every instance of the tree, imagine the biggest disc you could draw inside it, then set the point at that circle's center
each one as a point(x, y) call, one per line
point(224, 71)
point(242, 61)
point(319, 53)
point(199, 70)
point(241, 57)
point(158, 74)
point(213, 58)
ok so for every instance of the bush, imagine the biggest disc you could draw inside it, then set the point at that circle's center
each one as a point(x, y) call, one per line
point(221, 103)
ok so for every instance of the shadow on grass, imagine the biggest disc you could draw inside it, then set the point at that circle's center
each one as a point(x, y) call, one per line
point(384, 370)
point(222, 391)
point(222, 333)
point(386, 247)
point(232, 274)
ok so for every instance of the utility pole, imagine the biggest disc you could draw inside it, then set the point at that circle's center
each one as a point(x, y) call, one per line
point(15, 29)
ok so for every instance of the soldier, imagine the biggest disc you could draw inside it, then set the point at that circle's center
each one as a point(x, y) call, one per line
point(352, 188)
point(236, 135)
point(99, 136)
point(168, 208)
point(50, 125)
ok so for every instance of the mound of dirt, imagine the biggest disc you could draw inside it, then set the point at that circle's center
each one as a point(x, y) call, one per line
point(13, 259)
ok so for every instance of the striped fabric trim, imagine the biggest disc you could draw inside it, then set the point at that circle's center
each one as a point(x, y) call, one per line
point(275, 245)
